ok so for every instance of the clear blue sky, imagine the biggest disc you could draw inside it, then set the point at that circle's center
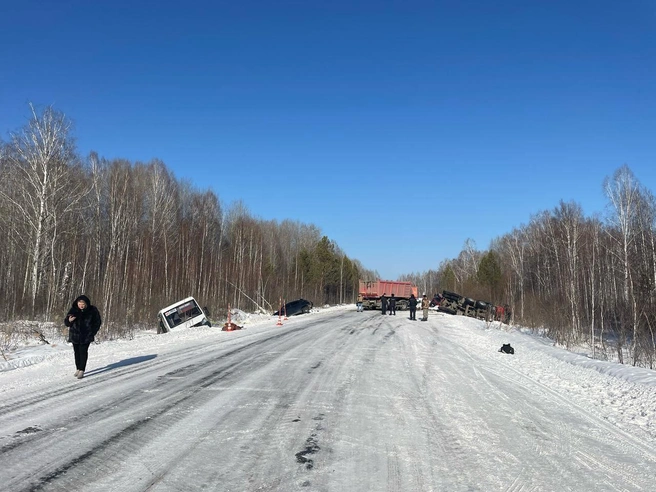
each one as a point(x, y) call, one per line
point(399, 128)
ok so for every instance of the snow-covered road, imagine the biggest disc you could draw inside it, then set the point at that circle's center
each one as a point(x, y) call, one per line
point(331, 401)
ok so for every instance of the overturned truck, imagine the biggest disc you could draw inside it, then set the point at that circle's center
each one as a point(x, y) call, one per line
point(453, 303)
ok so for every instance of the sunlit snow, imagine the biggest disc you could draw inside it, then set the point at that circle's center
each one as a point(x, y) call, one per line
point(332, 400)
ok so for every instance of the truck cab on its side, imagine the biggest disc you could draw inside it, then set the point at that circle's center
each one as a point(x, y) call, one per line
point(183, 314)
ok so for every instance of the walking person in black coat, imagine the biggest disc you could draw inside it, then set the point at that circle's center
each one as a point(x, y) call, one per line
point(83, 321)
point(383, 304)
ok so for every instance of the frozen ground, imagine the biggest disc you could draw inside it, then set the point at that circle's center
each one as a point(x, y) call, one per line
point(333, 400)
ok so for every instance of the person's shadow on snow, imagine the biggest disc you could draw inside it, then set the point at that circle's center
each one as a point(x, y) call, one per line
point(121, 363)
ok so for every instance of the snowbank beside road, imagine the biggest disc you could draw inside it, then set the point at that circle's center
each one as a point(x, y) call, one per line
point(623, 395)
point(30, 350)
point(626, 395)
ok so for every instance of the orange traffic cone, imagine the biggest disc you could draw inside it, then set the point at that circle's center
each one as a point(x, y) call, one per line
point(230, 326)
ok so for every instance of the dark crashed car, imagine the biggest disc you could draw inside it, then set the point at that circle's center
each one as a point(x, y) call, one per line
point(299, 306)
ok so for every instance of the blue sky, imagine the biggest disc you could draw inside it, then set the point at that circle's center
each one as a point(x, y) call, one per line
point(400, 129)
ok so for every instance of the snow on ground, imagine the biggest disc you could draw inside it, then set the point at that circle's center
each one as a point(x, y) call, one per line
point(331, 401)
point(623, 395)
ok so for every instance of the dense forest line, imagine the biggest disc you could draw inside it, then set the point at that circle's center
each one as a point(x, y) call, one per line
point(135, 238)
point(577, 279)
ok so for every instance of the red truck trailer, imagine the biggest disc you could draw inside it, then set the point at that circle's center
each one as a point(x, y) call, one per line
point(372, 291)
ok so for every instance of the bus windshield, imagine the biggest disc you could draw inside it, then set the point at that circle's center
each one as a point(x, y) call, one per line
point(184, 312)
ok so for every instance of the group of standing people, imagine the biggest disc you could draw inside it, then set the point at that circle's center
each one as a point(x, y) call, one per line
point(412, 304)
point(388, 305)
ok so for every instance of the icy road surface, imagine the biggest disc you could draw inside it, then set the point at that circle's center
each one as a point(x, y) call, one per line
point(339, 401)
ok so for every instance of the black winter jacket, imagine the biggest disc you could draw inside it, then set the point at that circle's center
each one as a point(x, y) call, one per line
point(86, 324)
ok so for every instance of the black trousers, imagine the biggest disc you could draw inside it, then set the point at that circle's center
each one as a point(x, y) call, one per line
point(81, 351)
point(413, 312)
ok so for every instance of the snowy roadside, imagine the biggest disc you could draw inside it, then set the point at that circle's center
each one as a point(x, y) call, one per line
point(623, 395)
point(28, 349)
point(31, 350)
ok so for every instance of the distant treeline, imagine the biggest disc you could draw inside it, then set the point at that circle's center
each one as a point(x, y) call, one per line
point(135, 239)
point(579, 280)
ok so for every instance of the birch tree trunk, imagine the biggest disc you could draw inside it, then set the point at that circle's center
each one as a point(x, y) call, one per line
point(41, 153)
point(623, 193)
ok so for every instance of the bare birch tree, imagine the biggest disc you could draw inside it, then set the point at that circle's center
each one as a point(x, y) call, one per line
point(569, 218)
point(623, 193)
point(40, 154)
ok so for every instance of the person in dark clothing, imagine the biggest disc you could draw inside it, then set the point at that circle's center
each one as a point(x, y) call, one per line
point(392, 305)
point(83, 322)
point(383, 304)
point(412, 304)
